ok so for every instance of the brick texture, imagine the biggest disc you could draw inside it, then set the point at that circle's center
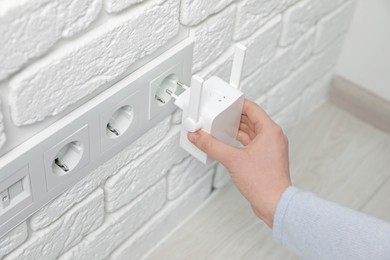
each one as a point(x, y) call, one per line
point(13, 239)
point(252, 14)
point(66, 232)
point(221, 177)
point(119, 225)
point(194, 11)
point(167, 219)
point(114, 6)
point(212, 38)
point(31, 28)
point(134, 179)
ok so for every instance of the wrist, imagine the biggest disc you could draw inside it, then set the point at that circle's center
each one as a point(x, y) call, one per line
point(266, 210)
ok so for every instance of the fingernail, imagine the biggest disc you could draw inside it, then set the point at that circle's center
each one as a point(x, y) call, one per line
point(193, 137)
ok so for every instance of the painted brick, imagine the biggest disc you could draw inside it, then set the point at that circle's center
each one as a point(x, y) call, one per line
point(183, 175)
point(285, 61)
point(3, 137)
point(221, 177)
point(262, 46)
point(316, 95)
point(325, 61)
point(293, 87)
point(297, 20)
point(262, 101)
point(139, 175)
point(114, 6)
point(161, 225)
point(290, 116)
point(13, 239)
point(252, 14)
point(31, 28)
point(68, 231)
point(333, 25)
point(193, 12)
point(120, 225)
point(304, 15)
point(325, 7)
point(49, 86)
point(221, 67)
point(212, 38)
point(65, 201)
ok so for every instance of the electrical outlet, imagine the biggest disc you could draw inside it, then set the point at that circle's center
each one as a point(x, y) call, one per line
point(66, 157)
point(121, 120)
point(65, 152)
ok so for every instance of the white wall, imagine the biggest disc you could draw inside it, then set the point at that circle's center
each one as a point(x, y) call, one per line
point(365, 59)
point(132, 201)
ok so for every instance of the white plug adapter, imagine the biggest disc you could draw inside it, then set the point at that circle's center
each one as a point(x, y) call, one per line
point(214, 106)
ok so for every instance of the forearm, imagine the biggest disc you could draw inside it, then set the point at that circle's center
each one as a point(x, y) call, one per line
point(317, 229)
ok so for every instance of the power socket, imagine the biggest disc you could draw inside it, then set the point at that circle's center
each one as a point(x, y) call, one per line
point(66, 158)
point(214, 106)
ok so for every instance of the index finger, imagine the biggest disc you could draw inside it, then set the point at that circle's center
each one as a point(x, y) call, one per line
point(256, 115)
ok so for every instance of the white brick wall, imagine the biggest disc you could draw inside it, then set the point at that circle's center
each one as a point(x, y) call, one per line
point(114, 6)
point(252, 14)
point(262, 45)
point(183, 175)
point(194, 11)
point(13, 239)
point(138, 176)
point(64, 233)
point(333, 26)
point(119, 225)
point(165, 221)
point(212, 37)
point(221, 178)
point(57, 52)
point(30, 28)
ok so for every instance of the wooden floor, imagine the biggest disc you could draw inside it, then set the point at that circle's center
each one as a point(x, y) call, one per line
point(332, 154)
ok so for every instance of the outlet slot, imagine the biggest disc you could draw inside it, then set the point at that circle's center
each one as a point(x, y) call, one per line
point(169, 83)
point(67, 158)
point(120, 122)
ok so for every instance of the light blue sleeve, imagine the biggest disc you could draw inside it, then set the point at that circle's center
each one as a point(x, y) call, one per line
point(314, 228)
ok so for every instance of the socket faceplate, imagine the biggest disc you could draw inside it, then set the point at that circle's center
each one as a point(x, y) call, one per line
point(86, 128)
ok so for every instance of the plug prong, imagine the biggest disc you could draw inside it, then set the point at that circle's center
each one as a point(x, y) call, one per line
point(180, 84)
point(169, 92)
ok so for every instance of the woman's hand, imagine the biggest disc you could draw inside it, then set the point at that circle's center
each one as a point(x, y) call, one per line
point(260, 169)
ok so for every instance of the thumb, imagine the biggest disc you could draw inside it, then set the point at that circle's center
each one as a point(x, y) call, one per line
point(220, 151)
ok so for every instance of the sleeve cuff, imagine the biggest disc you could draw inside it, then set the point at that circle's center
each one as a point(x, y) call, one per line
point(280, 213)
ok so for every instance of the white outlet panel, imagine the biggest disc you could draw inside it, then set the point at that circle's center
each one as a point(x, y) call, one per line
point(47, 164)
